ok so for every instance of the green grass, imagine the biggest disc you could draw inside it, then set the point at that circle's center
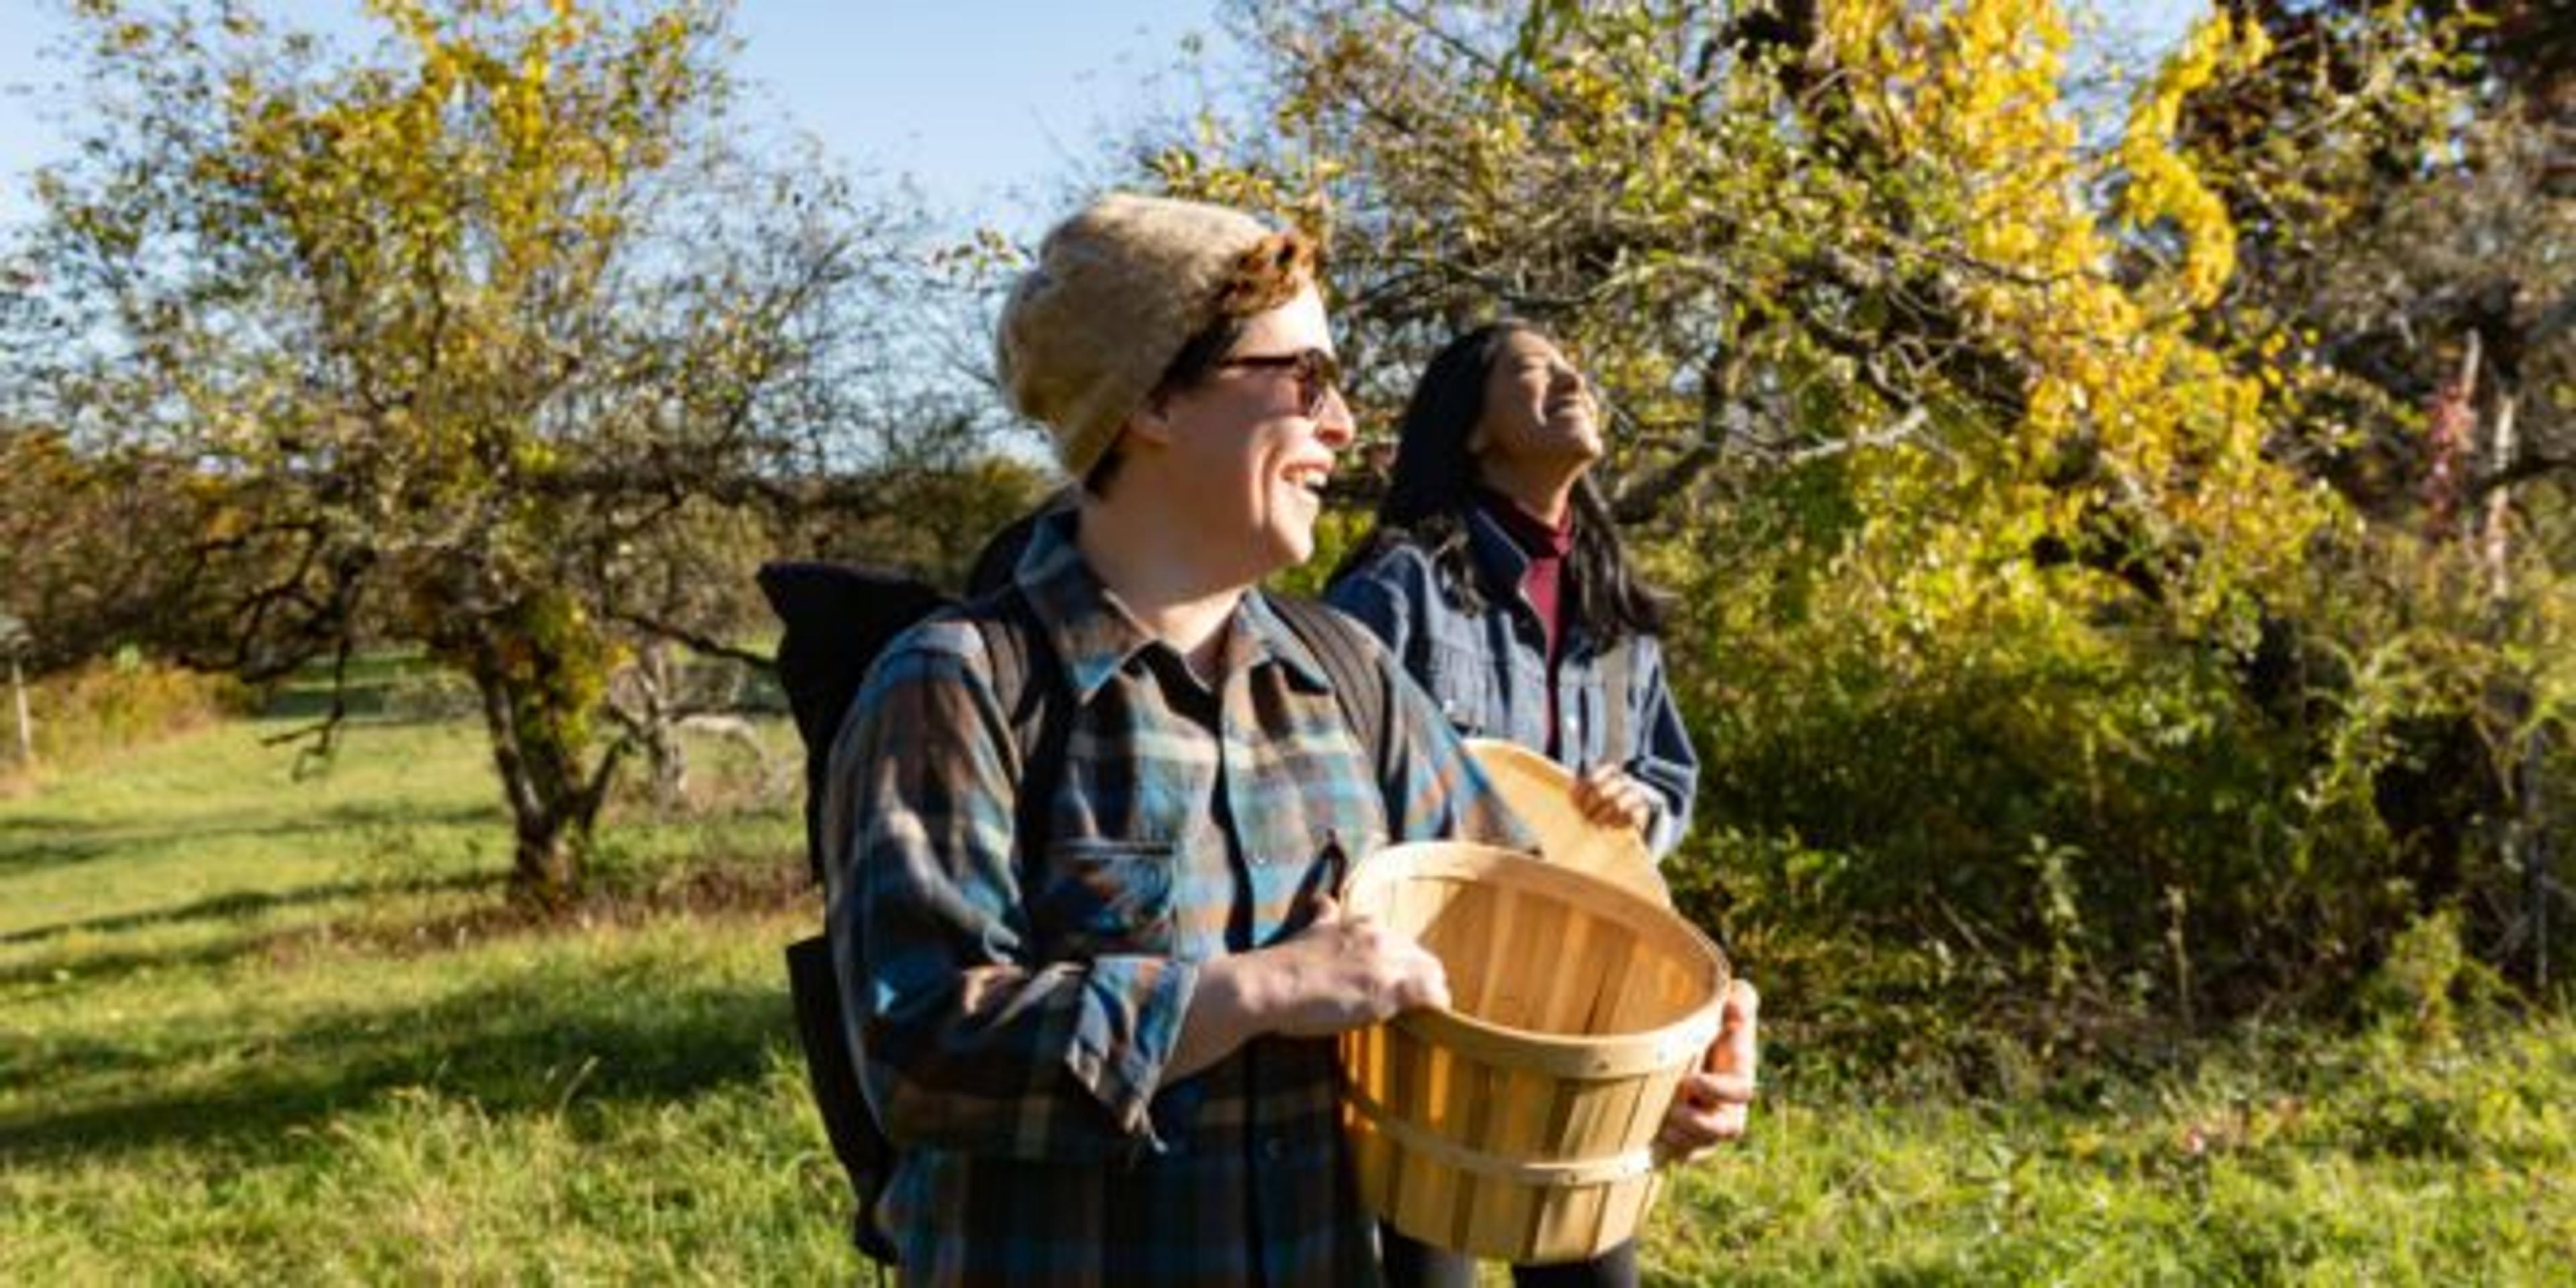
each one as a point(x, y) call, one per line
point(260, 1030)
point(2322, 1161)
point(253, 1028)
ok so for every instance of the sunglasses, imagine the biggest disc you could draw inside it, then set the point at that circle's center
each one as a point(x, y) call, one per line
point(1318, 374)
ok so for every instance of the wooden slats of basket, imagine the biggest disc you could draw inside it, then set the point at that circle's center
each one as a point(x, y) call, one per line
point(1518, 1124)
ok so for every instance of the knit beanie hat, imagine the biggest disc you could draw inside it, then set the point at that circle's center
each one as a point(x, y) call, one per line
point(1118, 290)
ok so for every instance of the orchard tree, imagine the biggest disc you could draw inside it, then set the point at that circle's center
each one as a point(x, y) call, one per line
point(470, 336)
point(1994, 547)
point(2401, 180)
point(1779, 233)
point(71, 527)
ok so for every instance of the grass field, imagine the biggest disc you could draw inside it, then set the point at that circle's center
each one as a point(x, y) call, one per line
point(260, 1030)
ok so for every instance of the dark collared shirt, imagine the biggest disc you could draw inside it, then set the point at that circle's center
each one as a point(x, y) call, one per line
point(1019, 1010)
point(1546, 547)
point(1542, 584)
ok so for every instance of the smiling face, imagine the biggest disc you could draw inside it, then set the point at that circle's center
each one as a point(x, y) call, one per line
point(1538, 408)
point(1245, 464)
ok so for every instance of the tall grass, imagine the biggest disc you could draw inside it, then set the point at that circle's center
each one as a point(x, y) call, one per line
point(81, 717)
point(256, 1030)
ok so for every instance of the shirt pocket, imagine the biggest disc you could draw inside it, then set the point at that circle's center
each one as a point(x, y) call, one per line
point(1339, 851)
point(1106, 896)
point(1461, 681)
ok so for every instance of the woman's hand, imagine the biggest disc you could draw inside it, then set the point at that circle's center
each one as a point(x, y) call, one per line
point(1609, 797)
point(1711, 1104)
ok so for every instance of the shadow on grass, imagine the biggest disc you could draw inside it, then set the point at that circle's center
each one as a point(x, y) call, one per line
point(404, 690)
point(239, 904)
point(49, 849)
point(521, 1046)
point(31, 843)
point(94, 967)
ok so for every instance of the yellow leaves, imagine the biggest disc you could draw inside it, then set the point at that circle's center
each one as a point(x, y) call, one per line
point(2170, 437)
point(533, 455)
point(2163, 188)
point(1853, 30)
point(1973, 82)
point(535, 66)
point(1923, 152)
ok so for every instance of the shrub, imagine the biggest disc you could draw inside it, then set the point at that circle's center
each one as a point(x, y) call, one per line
point(2066, 801)
point(86, 714)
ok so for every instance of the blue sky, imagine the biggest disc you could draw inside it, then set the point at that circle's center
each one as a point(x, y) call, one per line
point(989, 106)
point(985, 104)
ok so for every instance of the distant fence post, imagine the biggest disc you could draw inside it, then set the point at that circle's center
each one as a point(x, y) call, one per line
point(13, 640)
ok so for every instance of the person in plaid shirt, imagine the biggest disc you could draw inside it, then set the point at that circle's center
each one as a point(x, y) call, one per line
point(1110, 1061)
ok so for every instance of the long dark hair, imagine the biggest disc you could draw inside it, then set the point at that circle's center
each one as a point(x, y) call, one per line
point(1434, 490)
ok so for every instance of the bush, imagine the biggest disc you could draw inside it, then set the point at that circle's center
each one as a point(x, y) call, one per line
point(2028, 794)
point(84, 715)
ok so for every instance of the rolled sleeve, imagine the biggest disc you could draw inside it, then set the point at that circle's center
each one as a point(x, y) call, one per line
point(1131, 1017)
point(962, 1041)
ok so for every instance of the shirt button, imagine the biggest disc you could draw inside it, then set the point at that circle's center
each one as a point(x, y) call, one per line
point(1274, 1149)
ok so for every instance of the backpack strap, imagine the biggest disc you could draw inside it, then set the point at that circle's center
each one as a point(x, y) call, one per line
point(1358, 683)
point(1028, 682)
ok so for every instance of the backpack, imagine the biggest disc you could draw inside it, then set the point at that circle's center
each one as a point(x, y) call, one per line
point(837, 620)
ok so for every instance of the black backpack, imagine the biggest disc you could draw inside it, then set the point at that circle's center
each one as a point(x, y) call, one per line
point(837, 620)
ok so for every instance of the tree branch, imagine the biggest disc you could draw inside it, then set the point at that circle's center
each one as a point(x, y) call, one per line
point(696, 642)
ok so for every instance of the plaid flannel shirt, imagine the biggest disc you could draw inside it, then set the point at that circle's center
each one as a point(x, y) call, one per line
point(1016, 1012)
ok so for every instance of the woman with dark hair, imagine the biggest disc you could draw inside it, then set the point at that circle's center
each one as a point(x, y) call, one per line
point(1496, 575)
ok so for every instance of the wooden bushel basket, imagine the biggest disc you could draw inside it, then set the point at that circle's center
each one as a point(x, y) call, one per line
point(1520, 1123)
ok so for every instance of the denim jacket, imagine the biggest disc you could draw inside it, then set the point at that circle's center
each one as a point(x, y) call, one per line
point(1488, 670)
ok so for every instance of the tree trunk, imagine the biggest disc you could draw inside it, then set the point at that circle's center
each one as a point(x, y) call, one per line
point(548, 860)
point(2526, 830)
point(539, 745)
point(659, 727)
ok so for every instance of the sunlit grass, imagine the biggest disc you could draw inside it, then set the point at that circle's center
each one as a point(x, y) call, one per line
point(259, 1030)
point(2324, 1160)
